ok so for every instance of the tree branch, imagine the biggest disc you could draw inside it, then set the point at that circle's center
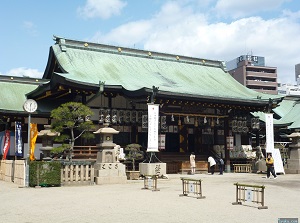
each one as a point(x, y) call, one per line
point(79, 135)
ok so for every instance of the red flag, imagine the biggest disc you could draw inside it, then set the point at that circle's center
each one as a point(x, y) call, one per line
point(6, 143)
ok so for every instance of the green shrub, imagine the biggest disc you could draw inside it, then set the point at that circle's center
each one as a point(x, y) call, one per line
point(42, 173)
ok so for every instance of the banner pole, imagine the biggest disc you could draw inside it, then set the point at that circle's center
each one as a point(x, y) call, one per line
point(27, 155)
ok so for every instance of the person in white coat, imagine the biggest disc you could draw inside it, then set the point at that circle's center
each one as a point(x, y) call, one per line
point(212, 164)
point(193, 163)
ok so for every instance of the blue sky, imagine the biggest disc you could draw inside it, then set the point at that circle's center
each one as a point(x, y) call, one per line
point(212, 29)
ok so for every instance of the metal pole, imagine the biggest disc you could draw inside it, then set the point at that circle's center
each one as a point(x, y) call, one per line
point(263, 196)
point(27, 155)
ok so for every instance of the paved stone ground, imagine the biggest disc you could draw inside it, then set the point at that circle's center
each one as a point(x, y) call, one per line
point(129, 203)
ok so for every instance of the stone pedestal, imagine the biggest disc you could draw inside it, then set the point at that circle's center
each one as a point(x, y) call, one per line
point(108, 170)
point(293, 163)
point(110, 173)
point(159, 169)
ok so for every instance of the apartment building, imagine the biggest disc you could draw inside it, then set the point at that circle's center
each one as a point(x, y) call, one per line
point(297, 72)
point(251, 72)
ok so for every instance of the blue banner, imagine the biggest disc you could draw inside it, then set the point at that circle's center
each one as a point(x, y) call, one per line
point(18, 139)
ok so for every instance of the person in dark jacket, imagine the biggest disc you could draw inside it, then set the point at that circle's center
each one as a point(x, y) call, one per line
point(221, 166)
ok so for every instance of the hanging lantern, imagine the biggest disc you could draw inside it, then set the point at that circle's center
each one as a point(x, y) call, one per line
point(101, 116)
point(114, 116)
point(145, 121)
point(107, 118)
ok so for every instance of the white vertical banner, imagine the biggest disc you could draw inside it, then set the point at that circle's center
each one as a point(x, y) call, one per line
point(269, 133)
point(18, 139)
point(278, 165)
point(153, 116)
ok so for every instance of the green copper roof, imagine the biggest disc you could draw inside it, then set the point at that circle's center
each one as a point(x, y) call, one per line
point(135, 69)
point(293, 116)
point(288, 110)
point(13, 95)
point(284, 107)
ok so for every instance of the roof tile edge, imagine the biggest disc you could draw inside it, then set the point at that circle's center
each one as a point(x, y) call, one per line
point(64, 43)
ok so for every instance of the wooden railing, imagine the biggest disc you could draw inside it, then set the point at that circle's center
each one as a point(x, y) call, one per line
point(85, 152)
point(77, 173)
point(250, 193)
point(242, 168)
point(191, 186)
point(150, 182)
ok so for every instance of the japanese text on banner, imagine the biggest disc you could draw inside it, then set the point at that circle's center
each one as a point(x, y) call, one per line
point(153, 116)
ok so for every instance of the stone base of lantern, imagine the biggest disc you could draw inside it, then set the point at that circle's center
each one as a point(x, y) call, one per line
point(159, 169)
point(110, 173)
point(293, 164)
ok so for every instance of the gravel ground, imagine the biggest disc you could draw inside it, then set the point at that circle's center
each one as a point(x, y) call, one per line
point(128, 203)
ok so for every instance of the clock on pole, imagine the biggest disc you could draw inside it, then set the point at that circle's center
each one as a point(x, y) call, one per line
point(30, 105)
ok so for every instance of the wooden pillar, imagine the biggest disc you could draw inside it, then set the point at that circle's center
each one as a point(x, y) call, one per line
point(257, 138)
point(183, 138)
point(198, 140)
point(226, 133)
point(133, 135)
point(83, 99)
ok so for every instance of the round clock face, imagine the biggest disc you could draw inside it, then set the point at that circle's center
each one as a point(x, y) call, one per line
point(30, 105)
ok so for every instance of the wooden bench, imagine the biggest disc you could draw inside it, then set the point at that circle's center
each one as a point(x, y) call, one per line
point(201, 167)
point(242, 168)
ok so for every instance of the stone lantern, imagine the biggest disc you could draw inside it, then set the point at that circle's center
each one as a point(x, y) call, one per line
point(108, 169)
point(47, 141)
point(294, 160)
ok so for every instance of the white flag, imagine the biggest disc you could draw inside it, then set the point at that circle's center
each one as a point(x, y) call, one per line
point(269, 133)
point(153, 116)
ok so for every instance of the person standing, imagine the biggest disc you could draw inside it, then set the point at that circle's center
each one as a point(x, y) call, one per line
point(193, 163)
point(212, 164)
point(270, 166)
point(221, 165)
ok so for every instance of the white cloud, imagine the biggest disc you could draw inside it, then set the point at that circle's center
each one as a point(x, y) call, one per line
point(30, 27)
point(101, 8)
point(239, 9)
point(190, 33)
point(24, 72)
point(126, 35)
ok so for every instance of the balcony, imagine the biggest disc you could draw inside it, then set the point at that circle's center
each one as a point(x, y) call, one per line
point(261, 74)
point(265, 91)
point(261, 83)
